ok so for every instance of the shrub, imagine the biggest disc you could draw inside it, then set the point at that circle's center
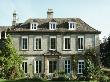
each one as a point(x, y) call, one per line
point(60, 79)
point(81, 78)
point(104, 78)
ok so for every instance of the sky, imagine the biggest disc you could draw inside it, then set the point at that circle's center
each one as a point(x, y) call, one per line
point(96, 13)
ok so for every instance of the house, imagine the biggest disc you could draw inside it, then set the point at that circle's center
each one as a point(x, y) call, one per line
point(48, 44)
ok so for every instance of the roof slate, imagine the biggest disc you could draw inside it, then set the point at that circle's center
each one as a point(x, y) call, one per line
point(62, 25)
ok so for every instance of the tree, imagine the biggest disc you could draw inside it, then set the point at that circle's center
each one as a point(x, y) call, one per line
point(105, 52)
point(10, 60)
point(92, 69)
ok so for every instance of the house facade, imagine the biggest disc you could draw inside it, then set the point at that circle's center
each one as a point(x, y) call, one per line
point(48, 44)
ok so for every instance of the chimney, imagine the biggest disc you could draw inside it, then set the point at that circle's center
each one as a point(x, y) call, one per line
point(14, 19)
point(50, 13)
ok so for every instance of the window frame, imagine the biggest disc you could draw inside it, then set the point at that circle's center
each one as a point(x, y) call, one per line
point(81, 61)
point(23, 67)
point(38, 66)
point(64, 46)
point(66, 66)
point(50, 48)
point(79, 43)
point(52, 25)
point(22, 42)
point(39, 42)
point(33, 26)
point(73, 25)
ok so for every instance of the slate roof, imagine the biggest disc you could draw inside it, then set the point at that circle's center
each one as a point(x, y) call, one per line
point(4, 28)
point(62, 26)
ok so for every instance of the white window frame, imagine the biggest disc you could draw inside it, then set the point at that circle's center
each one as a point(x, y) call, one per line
point(67, 65)
point(38, 43)
point(55, 42)
point(23, 66)
point(64, 42)
point(73, 25)
point(33, 27)
point(81, 66)
point(26, 37)
point(51, 25)
point(38, 66)
point(79, 37)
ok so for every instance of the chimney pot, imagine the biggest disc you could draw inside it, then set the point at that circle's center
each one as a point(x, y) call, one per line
point(50, 13)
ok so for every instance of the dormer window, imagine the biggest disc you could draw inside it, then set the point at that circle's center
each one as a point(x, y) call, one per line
point(72, 25)
point(34, 26)
point(52, 25)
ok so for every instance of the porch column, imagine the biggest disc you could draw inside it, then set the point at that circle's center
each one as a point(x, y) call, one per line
point(46, 68)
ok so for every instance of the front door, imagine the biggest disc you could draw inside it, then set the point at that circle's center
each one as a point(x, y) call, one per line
point(52, 66)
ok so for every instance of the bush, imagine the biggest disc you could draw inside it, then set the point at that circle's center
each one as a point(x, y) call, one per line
point(60, 79)
point(30, 80)
point(81, 78)
point(104, 78)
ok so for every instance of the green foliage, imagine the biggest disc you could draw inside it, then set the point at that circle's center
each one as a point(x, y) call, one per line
point(104, 78)
point(105, 52)
point(10, 59)
point(91, 55)
point(60, 79)
point(92, 72)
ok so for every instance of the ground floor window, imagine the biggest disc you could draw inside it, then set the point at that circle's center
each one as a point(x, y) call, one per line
point(52, 66)
point(67, 66)
point(80, 66)
point(24, 67)
point(38, 66)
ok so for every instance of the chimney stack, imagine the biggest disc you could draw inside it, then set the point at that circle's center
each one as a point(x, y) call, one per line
point(50, 13)
point(14, 19)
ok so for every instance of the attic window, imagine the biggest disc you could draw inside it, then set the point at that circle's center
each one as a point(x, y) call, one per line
point(34, 26)
point(52, 25)
point(72, 25)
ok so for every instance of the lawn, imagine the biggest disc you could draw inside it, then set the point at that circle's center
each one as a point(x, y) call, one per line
point(3, 80)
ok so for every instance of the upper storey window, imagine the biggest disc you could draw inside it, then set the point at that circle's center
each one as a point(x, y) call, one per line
point(72, 25)
point(52, 25)
point(33, 26)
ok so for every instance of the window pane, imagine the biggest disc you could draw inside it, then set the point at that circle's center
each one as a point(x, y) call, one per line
point(36, 43)
point(39, 43)
point(80, 67)
point(24, 43)
point(78, 43)
point(71, 25)
point(36, 66)
point(81, 43)
point(67, 66)
point(40, 66)
point(53, 26)
point(52, 46)
point(55, 65)
point(67, 43)
point(68, 70)
point(50, 66)
point(25, 67)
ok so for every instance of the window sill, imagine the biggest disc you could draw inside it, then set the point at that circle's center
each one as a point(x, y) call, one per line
point(67, 50)
point(38, 50)
point(80, 73)
point(24, 50)
point(80, 49)
point(52, 49)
